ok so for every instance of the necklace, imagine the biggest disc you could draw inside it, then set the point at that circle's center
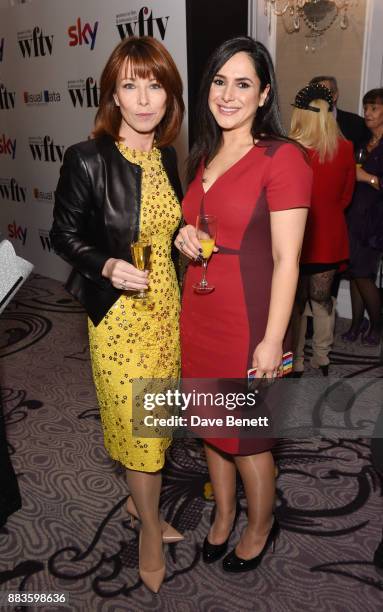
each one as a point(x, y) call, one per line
point(375, 139)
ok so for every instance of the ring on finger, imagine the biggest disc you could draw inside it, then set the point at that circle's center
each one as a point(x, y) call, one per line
point(123, 284)
point(181, 244)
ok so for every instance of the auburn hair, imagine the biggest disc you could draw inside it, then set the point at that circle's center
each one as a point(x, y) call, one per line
point(146, 57)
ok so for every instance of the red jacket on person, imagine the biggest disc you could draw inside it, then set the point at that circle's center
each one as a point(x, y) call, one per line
point(326, 236)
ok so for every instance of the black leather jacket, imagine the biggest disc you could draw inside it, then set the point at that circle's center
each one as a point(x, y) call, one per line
point(96, 216)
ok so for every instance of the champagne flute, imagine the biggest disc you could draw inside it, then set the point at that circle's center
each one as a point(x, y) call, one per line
point(206, 227)
point(141, 254)
point(360, 156)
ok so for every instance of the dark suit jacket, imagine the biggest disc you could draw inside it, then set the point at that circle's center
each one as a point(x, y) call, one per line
point(352, 127)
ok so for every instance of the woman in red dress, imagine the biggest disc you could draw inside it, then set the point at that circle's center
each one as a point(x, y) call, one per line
point(325, 246)
point(257, 183)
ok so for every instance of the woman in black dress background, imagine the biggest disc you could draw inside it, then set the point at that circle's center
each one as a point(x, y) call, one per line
point(365, 222)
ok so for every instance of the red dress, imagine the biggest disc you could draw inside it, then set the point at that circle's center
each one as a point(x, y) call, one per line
point(326, 235)
point(220, 331)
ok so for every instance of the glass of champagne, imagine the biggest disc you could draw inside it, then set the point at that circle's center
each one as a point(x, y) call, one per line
point(206, 227)
point(141, 255)
point(360, 156)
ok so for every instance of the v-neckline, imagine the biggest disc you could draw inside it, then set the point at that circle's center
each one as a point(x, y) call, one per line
point(226, 171)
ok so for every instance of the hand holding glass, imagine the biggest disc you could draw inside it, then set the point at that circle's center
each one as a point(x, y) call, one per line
point(360, 156)
point(141, 254)
point(206, 228)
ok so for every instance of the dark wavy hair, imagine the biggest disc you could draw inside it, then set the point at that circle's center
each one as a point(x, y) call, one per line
point(267, 121)
point(373, 96)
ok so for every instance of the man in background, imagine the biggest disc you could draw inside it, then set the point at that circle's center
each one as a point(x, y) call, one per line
point(351, 125)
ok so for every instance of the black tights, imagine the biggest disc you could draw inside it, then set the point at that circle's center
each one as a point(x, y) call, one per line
point(316, 288)
point(365, 295)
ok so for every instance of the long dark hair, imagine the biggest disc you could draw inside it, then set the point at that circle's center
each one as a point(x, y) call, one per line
point(267, 121)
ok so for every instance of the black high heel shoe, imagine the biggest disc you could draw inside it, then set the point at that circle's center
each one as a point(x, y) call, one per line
point(213, 552)
point(233, 563)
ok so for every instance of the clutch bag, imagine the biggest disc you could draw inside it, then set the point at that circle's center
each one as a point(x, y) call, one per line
point(14, 270)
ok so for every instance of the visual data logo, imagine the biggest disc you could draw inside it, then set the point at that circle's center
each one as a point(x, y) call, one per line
point(45, 240)
point(34, 43)
point(2, 43)
point(84, 92)
point(7, 98)
point(7, 146)
point(17, 232)
point(45, 149)
point(141, 24)
point(42, 196)
point(41, 98)
point(11, 191)
point(80, 34)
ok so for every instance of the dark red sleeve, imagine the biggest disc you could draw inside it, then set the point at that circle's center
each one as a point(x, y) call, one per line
point(290, 179)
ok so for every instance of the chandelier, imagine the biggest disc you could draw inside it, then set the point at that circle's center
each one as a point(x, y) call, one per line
point(317, 15)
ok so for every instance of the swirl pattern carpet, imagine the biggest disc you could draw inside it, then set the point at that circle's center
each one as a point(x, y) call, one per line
point(72, 534)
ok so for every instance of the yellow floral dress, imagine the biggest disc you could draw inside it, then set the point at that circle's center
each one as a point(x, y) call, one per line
point(128, 343)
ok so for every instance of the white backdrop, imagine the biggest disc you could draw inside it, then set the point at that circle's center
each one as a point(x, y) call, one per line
point(51, 56)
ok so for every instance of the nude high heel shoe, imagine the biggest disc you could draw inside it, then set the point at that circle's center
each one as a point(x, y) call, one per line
point(151, 579)
point(169, 534)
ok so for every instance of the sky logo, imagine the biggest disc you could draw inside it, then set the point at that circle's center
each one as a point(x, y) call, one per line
point(79, 34)
point(17, 232)
point(7, 146)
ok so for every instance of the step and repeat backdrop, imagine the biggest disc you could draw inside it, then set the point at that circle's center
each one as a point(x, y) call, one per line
point(51, 57)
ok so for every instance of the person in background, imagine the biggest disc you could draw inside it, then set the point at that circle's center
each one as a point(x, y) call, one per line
point(353, 128)
point(351, 125)
point(10, 500)
point(257, 183)
point(118, 188)
point(325, 246)
point(365, 223)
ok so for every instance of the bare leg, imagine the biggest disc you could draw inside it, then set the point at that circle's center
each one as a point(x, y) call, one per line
point(258, 477)
point(222, 473)
point(145, 489)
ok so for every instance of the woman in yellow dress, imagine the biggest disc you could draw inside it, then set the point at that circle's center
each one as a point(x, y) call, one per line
point(120, 187)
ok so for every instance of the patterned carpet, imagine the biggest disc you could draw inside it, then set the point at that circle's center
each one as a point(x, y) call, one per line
point(72, 534)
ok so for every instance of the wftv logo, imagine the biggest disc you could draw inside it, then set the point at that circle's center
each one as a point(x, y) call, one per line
point(42, 196)
point(79, 34)
point(44, 149)
point(7, 98)
point(84, 91)
point(41, 98)
point(141, 24)
point(10, 190)
point(2, 42)
point(7, 146)
point(33, 43)
point(17, 232)
point(45, 240)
